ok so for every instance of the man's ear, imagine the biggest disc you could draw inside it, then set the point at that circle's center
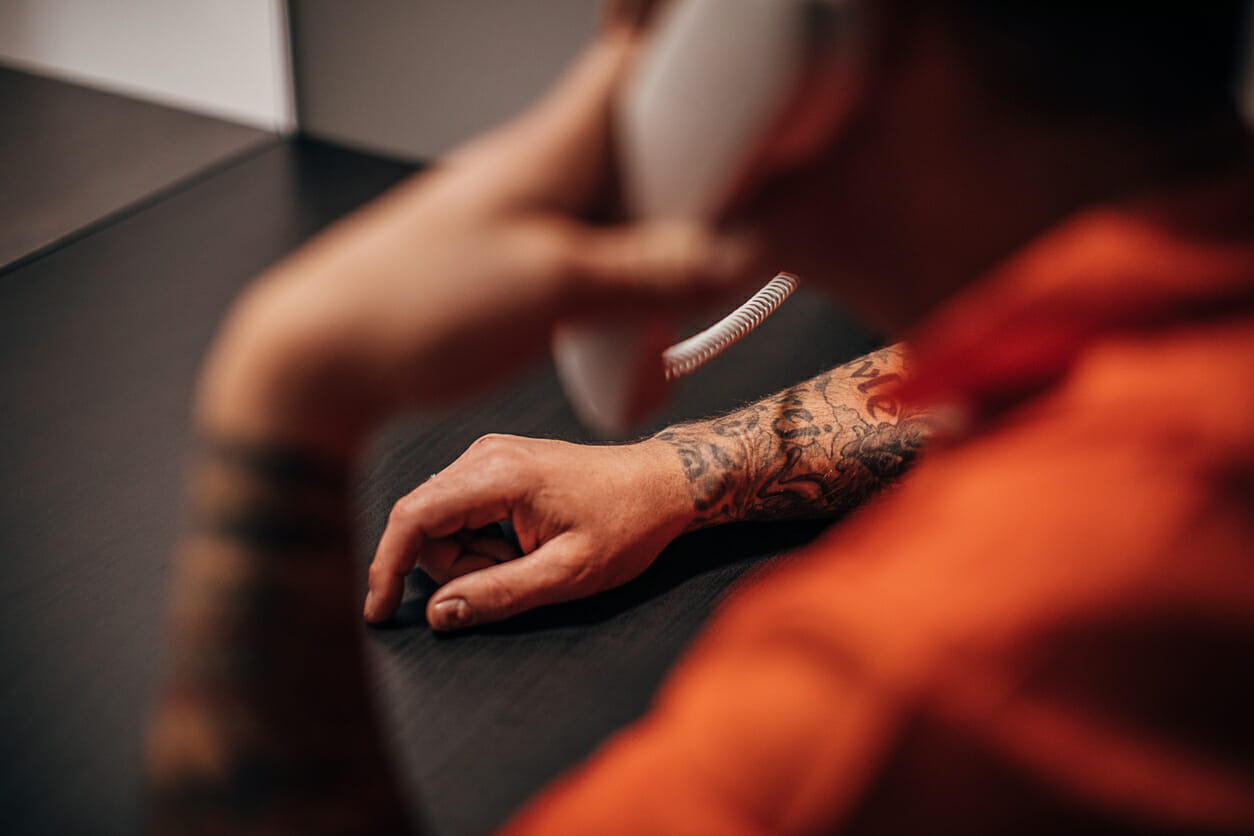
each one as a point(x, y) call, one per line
point(632, 15)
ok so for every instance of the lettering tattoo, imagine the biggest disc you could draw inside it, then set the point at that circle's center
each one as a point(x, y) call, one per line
point(818, 449)
point(265, 722)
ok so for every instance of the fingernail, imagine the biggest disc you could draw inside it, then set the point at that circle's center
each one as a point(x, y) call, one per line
point(452, 614)
point(369, 608)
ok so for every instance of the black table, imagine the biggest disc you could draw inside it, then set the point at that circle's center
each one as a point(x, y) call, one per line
point(100, 338)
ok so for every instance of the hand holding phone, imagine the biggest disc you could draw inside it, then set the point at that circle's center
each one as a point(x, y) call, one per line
point(698, 115)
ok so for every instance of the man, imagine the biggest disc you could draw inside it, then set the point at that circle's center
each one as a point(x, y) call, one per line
point(1046, 628)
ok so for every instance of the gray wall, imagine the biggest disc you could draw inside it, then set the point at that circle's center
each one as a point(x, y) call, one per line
point(415, 77)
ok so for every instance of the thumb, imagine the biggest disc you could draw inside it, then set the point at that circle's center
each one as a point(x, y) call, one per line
point(545, 576)
point(654, 263)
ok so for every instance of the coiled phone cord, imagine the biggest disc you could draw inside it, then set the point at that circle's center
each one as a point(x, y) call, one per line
point(684, 358)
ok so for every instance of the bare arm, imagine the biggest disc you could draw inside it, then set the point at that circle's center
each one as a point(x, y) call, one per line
point(817, 449)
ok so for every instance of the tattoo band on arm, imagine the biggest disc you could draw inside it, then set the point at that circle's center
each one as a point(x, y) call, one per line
point(817, 449)
point(265, 722)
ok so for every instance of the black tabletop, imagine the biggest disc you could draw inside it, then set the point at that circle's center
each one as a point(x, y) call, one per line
point(100, 339)
point(70, 158)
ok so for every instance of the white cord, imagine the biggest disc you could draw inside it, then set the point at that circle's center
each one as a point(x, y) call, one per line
point(684, 358)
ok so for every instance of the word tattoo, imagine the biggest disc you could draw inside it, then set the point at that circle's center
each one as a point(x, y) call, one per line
point(818, 449)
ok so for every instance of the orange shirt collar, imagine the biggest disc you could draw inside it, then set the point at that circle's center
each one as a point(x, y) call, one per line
point(1015, 332)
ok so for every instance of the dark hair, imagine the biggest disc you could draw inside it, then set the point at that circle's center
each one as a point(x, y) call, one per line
point(1153, 62)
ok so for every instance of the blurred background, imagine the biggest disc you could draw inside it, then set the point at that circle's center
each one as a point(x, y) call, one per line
point(407, 79)
point(390, 76)
point(386, 75)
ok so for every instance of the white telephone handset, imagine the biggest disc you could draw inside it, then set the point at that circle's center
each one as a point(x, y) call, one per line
point(696, 113)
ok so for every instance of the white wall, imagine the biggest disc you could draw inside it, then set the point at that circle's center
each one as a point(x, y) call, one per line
point(224, 58)
point(415, 77)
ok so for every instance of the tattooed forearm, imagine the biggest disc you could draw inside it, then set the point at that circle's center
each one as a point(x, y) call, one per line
point(815, 450)
point(265, 723)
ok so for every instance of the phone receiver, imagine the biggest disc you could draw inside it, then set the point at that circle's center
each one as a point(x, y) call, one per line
point(701, 107)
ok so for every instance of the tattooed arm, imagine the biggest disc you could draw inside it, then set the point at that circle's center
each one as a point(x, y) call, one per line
point(592, 517)
point(265, 724)
point(817, 449)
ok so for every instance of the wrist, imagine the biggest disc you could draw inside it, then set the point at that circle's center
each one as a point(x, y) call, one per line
point(666, 480)
point(714, 462)
point(275, 375)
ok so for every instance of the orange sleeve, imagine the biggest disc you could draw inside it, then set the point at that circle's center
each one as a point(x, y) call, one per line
point(979, 628)
point(765, 728)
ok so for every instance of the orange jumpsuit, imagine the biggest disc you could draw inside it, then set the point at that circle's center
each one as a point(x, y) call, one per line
point(1049, 627)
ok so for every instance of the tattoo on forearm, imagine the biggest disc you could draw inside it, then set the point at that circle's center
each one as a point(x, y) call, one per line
point(817, 449)
point(265, 722)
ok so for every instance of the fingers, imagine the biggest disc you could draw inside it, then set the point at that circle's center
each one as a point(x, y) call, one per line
point(476, 490)
point(656, 263)
point(493, 547)
point(464, 552)
point(557, 571)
